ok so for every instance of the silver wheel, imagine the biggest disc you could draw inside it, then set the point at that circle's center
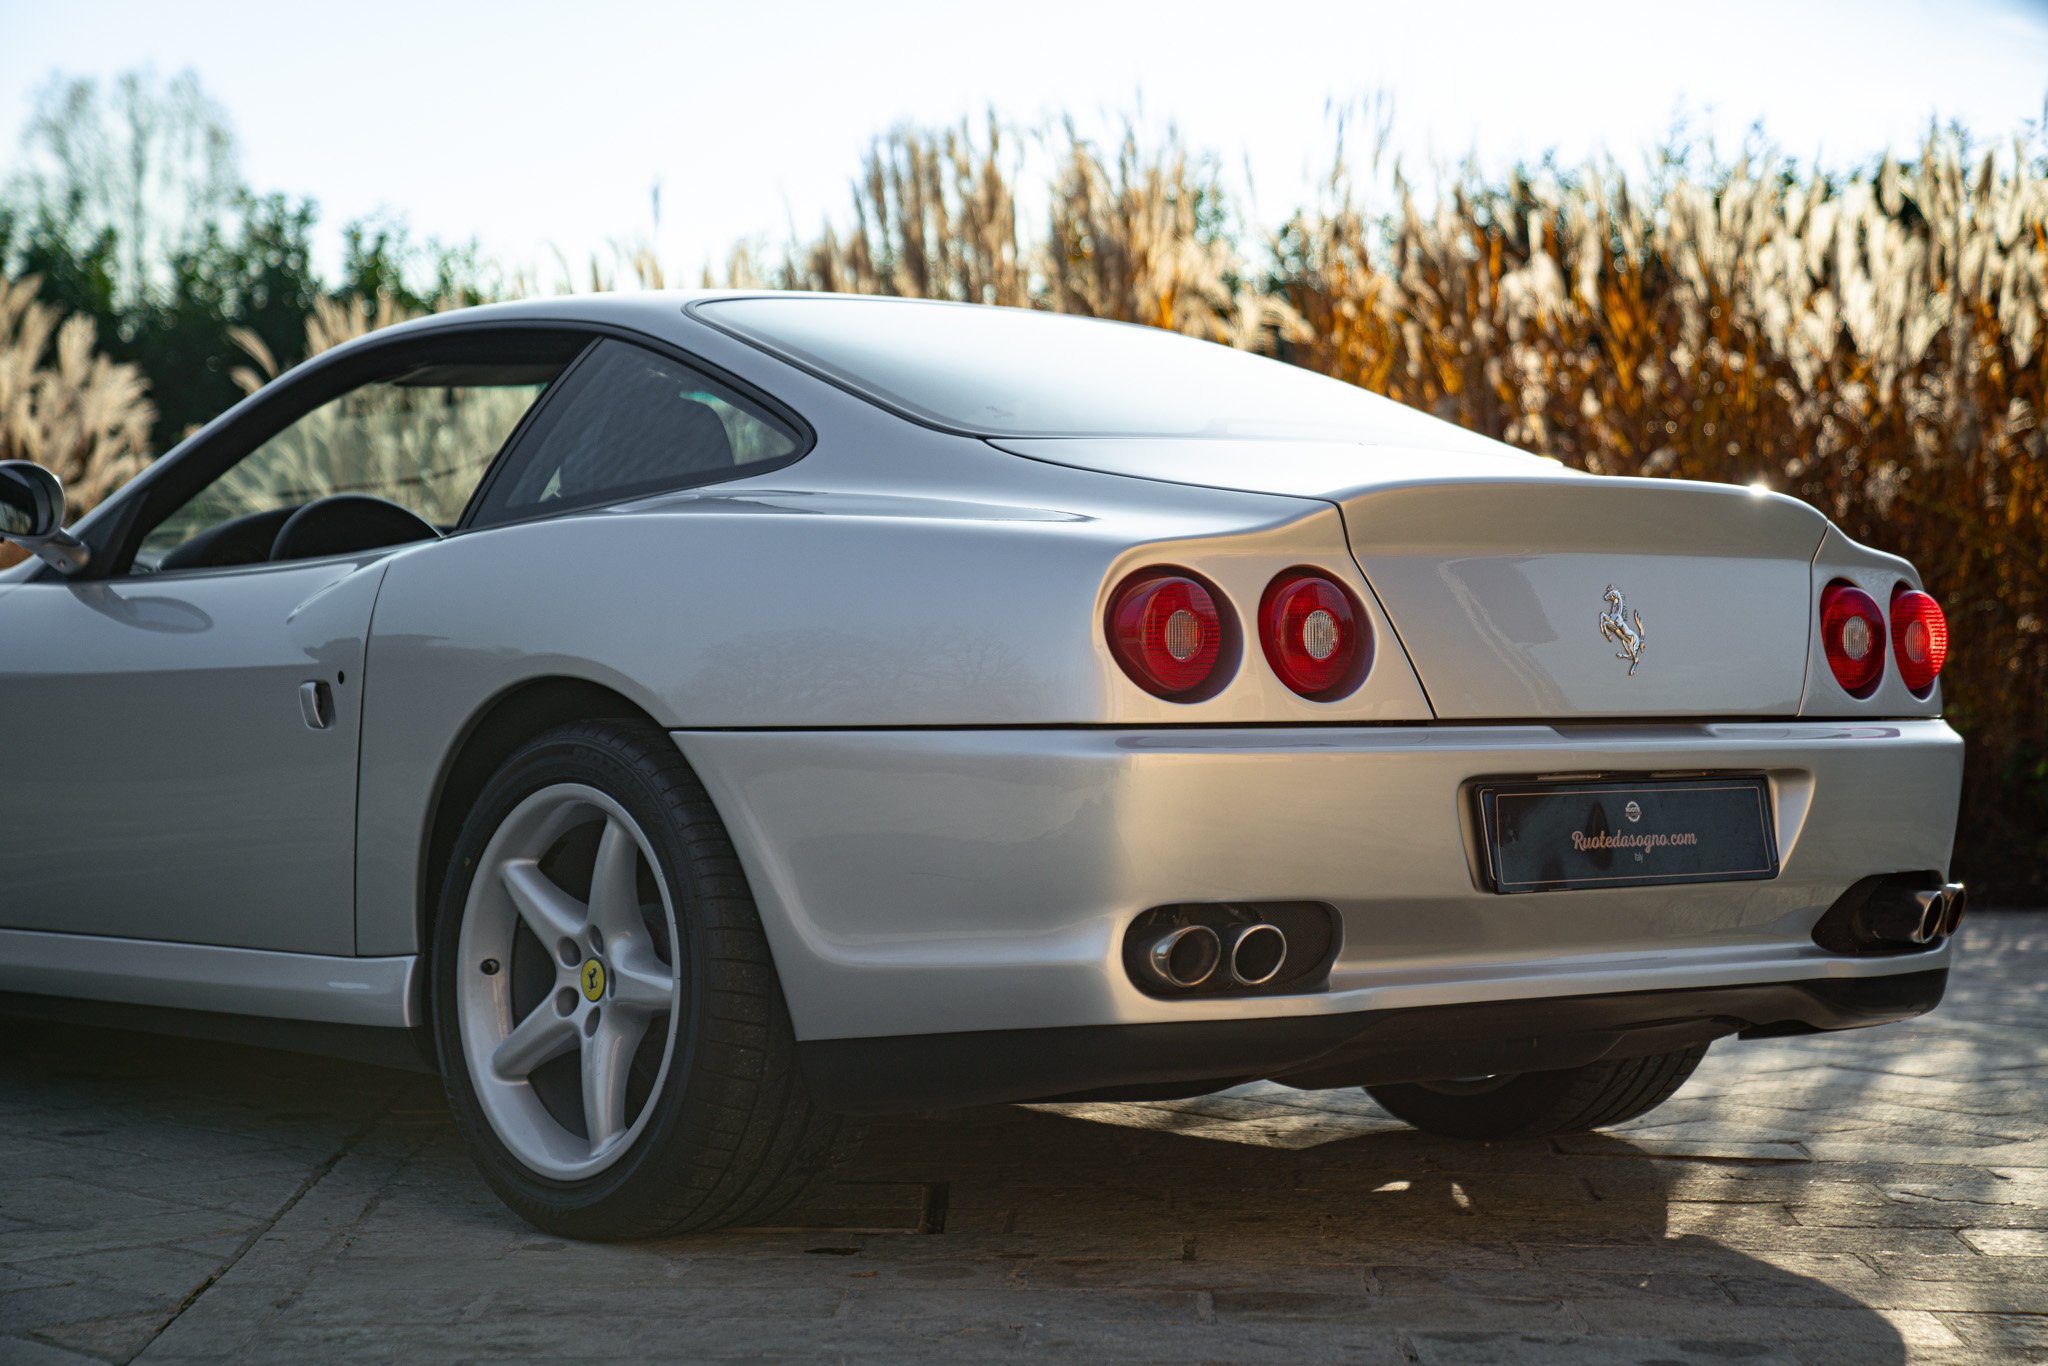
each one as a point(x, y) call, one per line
point(566, 984)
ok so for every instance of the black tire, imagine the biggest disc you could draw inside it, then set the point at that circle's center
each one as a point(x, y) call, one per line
point(733, 1137)
point(1538, 1104)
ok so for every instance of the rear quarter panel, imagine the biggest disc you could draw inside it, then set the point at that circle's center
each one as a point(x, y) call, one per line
point(974, 600)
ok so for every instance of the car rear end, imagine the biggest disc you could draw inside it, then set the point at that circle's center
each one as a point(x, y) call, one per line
point(1474, 767)
point(1549, 769)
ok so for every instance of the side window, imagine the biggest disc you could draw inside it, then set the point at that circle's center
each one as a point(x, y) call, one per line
point(421, 439)
point(629, 422)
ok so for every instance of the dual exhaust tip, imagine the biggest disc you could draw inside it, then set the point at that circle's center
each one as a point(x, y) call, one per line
point(1183, 957)
point(1212, 949)
point(1919, 916)
point(1892, 913)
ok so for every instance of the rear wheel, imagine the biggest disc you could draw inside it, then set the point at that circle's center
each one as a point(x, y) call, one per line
point(614, 1042)
point(1537, 1104)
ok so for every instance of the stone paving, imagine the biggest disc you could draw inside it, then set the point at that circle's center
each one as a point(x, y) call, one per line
point(1870, 1197)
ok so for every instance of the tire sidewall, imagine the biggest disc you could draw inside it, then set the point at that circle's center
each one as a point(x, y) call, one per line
point(601, 757)
point(1543, 1104)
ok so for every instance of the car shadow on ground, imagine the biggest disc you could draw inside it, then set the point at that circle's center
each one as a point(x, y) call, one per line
point(148, 1177)
point(1507, 1249)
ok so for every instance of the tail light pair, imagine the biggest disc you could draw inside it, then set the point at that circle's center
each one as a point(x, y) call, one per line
point(1852, 634)
point(1169, 633)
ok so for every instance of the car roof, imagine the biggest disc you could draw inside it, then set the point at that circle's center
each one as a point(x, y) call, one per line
point(659, 310)
point(616, 306)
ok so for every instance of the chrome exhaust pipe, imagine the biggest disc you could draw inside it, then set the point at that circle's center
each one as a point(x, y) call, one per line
point(1933, 911)
point(1912, 917)
point(1891, 912)
point(1958, 901)
point(1924, 924)
point(1184, 957)
point(1257, 953)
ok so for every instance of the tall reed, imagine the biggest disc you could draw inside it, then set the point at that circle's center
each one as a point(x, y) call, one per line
point(63, 404)
point(1870, 342)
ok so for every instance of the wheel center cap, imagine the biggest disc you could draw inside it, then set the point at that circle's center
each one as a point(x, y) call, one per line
point(592, 978)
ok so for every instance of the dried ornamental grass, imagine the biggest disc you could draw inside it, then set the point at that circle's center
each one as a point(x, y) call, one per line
point(1871, 344)
point(65, 406)
point(426, 445)
point(1136, 236)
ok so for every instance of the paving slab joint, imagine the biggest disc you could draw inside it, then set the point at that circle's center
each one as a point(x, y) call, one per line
point(256, 1235)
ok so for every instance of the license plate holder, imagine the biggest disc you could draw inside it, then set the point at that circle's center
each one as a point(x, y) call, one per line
point(1654, 832)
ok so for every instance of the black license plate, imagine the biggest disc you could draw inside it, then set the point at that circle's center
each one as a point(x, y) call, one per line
point(1549, 837)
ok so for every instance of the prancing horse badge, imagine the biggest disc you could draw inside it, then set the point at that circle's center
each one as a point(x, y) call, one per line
point(1623, 628)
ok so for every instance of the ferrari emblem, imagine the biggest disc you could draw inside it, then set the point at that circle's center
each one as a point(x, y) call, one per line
point(593, 980)
point(1619, 626)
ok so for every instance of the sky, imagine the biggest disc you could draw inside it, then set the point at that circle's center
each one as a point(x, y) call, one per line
point(541, 128)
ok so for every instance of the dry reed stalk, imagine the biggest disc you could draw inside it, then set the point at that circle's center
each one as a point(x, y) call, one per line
point(381, 438)
point(1872, 345)
point(1135, 236)
point(65, 406)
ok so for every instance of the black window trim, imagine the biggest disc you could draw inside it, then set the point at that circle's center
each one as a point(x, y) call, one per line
point(114, 531)
point(533, 429)
point(218, 447)
point(513, 442)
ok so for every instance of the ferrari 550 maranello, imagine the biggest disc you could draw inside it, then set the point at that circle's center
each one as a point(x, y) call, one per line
point(692, 722)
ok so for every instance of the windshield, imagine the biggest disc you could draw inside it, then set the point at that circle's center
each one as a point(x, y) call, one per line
point(1019, 373)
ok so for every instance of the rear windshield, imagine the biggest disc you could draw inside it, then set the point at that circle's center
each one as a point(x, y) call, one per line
point(1015, 372)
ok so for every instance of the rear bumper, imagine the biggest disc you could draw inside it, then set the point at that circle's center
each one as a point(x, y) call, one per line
point(936, 882)
point(927, 1071)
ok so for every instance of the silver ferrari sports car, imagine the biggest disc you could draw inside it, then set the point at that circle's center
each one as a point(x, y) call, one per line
point(691, 722)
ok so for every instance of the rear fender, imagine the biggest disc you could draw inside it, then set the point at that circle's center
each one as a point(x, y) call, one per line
point(746, 607)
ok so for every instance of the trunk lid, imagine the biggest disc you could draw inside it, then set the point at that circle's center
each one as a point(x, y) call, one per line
point(1520, 589)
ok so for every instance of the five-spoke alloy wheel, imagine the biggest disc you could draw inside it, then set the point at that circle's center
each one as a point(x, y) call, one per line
point(615, 1046)
point(567, 957)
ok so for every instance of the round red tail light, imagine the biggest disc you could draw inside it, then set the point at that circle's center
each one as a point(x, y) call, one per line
point(1852, 635)
point(1165, 630)
point(1315, 636)
point(1919, 637)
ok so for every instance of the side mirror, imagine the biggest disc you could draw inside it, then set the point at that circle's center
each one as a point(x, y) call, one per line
point(32, 515)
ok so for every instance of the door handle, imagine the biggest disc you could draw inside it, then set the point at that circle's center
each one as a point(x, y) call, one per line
point(316, 704)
